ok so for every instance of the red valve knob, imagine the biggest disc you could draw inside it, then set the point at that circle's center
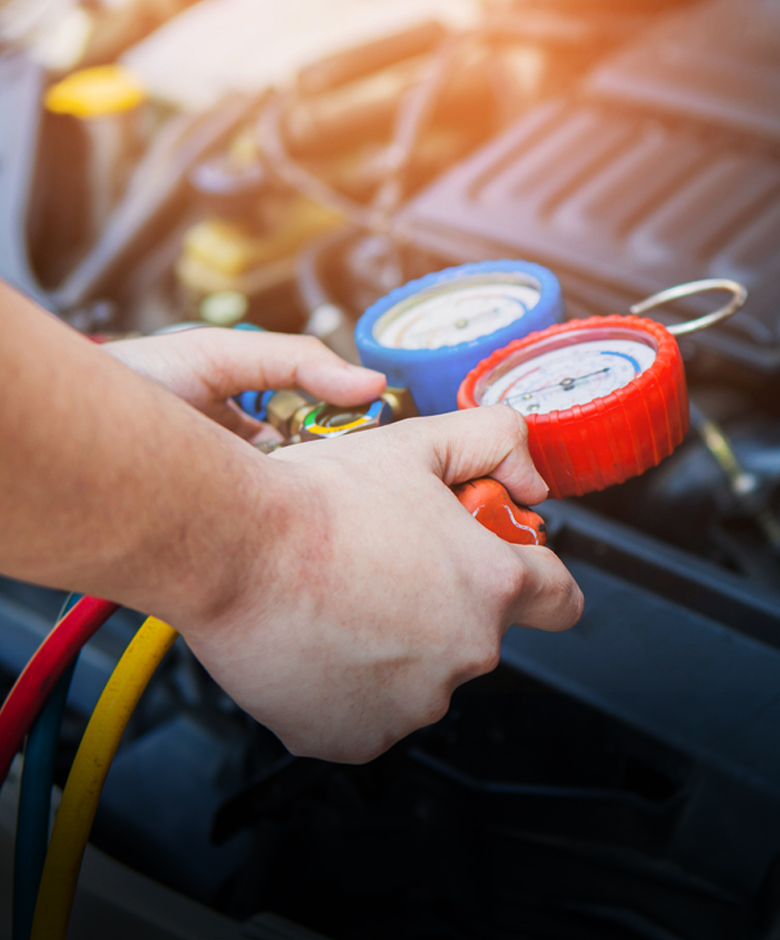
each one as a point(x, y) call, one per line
point(489, 503)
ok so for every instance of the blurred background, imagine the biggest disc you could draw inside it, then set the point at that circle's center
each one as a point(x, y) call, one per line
point(287, 162)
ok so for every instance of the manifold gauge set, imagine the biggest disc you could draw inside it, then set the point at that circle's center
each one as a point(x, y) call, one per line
point(605, 398)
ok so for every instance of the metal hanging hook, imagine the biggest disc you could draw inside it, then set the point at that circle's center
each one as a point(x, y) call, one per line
point(739, 296)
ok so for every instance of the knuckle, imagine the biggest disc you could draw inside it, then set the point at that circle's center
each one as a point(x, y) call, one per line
point(311, 345)
point(577, 602)
point(493, 657)
point(514, 582)
point(348, 749)
point(512, 423)
point(521, 427)
point(569, 601)
point(435, 708)
point(366, 752)
point(486, 657)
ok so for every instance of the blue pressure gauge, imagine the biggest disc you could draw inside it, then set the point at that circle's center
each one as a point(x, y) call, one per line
point(427, 335)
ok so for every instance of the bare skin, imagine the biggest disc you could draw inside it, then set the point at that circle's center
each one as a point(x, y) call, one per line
point(337, 590)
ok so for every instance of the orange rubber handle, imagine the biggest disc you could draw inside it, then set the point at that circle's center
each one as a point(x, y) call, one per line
point(489, 503)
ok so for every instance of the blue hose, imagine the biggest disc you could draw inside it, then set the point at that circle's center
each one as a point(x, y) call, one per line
point(32, 820)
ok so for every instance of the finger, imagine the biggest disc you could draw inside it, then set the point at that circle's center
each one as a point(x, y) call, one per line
point(546, 596)
point(489, 441)
point(230, 416)
point(266, 433)
point(240, 361)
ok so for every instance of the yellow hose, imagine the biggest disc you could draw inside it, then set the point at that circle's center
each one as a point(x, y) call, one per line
point(88, 774)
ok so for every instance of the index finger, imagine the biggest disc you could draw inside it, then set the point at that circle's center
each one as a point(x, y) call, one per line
point(546, 596)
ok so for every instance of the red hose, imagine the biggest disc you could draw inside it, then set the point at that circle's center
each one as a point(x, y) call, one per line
point(39, 676)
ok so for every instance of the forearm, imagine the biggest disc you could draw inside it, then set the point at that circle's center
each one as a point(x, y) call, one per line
point(111, 485)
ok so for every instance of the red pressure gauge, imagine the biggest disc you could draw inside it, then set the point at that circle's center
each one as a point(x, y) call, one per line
point(605, 398)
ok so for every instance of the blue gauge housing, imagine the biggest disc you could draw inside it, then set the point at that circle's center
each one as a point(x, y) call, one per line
point(433, 376)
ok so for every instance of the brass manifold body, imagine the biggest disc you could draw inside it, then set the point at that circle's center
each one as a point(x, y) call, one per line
point(297, 418)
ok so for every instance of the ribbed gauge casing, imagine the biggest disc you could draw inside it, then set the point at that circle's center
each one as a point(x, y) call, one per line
point(433, 375)
point(610, 439)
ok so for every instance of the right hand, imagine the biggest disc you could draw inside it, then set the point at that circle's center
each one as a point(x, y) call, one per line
point(371, 593)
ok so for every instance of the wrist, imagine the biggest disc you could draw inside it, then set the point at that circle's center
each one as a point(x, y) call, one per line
point(228, 550)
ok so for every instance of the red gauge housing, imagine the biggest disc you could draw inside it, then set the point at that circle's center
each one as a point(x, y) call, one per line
point(610, 439)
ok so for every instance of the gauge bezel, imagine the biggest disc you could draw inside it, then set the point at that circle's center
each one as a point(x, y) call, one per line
point(570, 334)
point(547, 344)
point(434, 375)
point(441, 289)
point(525, 273)
point(611, 438)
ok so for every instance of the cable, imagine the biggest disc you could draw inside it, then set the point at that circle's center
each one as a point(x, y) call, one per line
point(88, 774)
point(413, 117)
point(39, 676)
point(297, 177)
point(32, 817)
point(310, 263)
point(34, 808)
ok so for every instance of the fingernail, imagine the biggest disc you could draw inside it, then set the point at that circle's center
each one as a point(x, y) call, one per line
point(540, 478)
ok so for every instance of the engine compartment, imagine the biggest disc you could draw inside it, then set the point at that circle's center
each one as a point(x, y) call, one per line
point(618, 781)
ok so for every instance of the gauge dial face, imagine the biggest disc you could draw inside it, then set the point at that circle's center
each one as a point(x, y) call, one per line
point(456, 312)
point(553, 377)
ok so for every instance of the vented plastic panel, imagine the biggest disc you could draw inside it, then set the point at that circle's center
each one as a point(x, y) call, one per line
point(717, 61)
point(625, 199)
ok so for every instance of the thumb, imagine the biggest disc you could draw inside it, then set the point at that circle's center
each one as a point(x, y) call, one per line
point(486, 441)
point(244, 361)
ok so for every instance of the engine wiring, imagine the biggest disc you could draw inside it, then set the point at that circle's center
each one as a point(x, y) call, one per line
point(412, 117)
point(297, 176)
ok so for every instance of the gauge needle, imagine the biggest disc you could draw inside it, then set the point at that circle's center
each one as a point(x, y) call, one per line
point(565, 384)
point(463, 322)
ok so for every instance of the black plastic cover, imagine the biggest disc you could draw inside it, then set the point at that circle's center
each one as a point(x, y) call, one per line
point(718, 61)
point(629, 200)
point(631, 186)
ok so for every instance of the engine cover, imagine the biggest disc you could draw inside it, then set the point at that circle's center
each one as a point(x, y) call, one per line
point(645, 178)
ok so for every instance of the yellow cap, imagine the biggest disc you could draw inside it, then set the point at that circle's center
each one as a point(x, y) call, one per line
point(96, 92)
point(224, 307)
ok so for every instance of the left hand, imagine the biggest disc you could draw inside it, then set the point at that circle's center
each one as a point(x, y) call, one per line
point(364, 593)
point(206, 367)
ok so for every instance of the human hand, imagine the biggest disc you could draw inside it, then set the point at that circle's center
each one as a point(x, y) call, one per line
point(206, 367)
point(338, 590)
point(372, 593)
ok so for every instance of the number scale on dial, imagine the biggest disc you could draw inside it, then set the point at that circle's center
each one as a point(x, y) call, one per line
point(458, 315)
point(571, 375)
point(604, 398)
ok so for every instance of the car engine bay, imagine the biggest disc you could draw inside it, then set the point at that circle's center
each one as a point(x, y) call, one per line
point(621, 780)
